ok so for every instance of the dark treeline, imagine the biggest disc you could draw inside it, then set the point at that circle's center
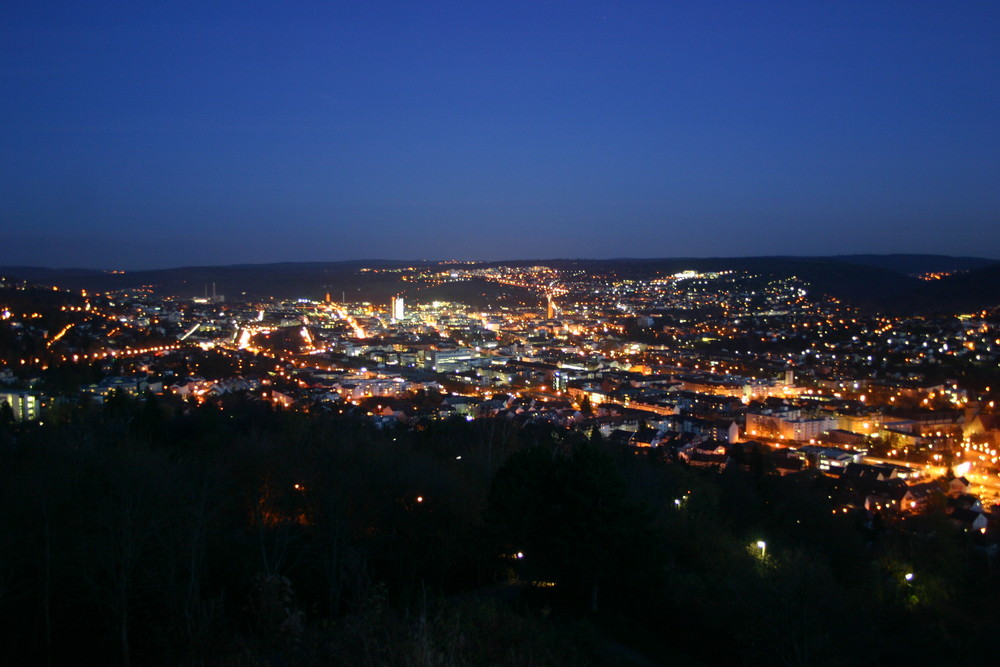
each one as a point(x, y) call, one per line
point(149, 532)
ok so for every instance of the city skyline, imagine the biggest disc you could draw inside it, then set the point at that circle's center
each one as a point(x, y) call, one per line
point(154, 137)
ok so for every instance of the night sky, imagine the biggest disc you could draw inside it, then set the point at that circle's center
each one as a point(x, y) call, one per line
point(147, 134)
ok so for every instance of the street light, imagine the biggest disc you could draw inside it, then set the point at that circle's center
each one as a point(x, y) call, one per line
point(762, 545)
point(908, 576)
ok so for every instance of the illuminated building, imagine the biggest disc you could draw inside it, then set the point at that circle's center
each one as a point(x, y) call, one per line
point(24, 406)
point(396, 309)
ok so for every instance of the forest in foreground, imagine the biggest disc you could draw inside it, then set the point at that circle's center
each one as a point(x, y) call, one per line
point(148, 532)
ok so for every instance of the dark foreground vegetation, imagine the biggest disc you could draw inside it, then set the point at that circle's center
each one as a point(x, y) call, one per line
point(165, 534)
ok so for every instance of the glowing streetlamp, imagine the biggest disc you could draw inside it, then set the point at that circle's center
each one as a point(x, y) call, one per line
point(762, 545)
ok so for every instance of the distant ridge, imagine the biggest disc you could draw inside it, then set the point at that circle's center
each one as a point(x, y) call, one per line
point(917, 264)
point(962, 292)
point(879, 282)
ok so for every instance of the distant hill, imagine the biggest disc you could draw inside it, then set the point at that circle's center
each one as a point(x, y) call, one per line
point(962, 292)
point(856, 283)
point(918, 264)
point(878, 282)
point(238, 281)
point(883, 283)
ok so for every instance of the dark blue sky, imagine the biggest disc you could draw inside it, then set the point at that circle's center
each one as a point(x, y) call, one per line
point(145, 134)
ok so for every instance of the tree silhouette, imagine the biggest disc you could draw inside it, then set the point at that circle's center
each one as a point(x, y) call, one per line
point(6, 413)
point(567, 515)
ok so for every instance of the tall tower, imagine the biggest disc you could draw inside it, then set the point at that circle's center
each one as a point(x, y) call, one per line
point(550, 310)
point(396, 309)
